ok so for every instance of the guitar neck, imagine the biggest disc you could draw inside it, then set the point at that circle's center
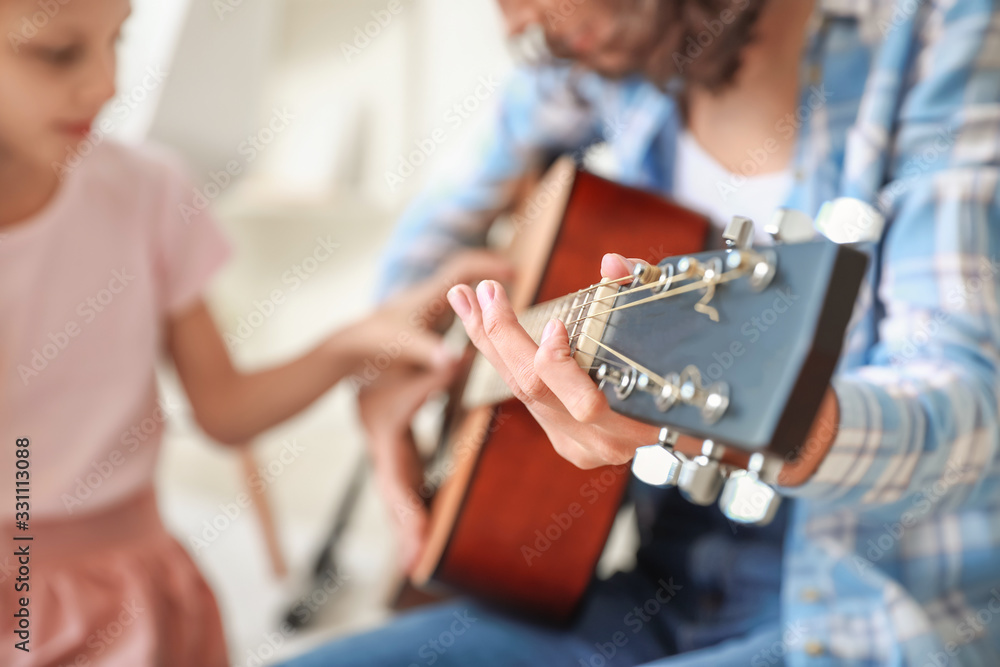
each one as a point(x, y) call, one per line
point(485, 386)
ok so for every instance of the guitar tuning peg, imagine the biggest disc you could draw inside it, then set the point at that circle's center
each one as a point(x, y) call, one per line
point(746, 499)
point(701, 478)
point(623, 381)
point(658, 465)
point(739, 233)
point(849, 220)
point(790, 226)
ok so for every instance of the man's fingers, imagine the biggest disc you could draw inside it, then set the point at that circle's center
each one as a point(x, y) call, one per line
point(511, 342)
point(463, 300)
point(615, 266)
point(563, 376)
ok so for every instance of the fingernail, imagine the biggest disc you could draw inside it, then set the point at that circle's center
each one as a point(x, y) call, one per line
point(624, 262)
point(459, 302)
point(549, 329)
point(485, 293)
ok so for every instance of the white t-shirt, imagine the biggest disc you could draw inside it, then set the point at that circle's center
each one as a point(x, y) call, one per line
point(704, 185)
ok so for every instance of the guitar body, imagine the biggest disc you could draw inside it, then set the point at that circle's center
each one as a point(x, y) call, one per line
point(514, 523)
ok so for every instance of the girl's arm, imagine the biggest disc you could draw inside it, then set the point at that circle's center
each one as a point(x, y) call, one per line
point(233, 406)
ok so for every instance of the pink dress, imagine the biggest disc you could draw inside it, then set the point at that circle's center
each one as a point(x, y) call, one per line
point(85, 289)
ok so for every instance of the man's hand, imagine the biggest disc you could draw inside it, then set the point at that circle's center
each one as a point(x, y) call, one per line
point(570, 408)
point(388, 403)
point(386, 408)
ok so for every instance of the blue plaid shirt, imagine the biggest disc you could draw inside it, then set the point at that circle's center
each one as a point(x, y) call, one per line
point(893, 552)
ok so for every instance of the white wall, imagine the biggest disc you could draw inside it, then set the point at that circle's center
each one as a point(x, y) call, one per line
point(357, 106)
point(212, 100)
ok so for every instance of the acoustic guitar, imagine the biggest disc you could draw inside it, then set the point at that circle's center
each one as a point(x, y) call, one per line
point(518, 525)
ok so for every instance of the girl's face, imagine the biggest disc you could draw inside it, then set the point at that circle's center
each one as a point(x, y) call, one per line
point(57, 70)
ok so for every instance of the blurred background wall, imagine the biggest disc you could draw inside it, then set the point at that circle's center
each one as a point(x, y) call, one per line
point(334, 92)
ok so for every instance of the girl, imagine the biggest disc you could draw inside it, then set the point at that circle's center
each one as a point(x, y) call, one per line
point(101, 269)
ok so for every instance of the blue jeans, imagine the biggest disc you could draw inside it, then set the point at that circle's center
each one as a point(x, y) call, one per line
point(627, 620)
point(704, 594)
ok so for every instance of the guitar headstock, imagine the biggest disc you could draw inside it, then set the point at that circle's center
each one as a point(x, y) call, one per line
point(735, 347)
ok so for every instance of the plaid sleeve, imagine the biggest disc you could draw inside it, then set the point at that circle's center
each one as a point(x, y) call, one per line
point(922, 413)
point(541, 115)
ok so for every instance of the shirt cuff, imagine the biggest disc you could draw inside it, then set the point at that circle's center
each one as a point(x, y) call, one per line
point(856, 440)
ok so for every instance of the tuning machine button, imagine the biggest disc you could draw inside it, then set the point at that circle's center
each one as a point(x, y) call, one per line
point(739, 233)
point(764, 268)
point(646, 274)
point(790, 226)
point(713, 399)
point(686, 387)
point(624, 382)
point(849, 220)
point(658, 465)
point(748, 500)
point(701, 478)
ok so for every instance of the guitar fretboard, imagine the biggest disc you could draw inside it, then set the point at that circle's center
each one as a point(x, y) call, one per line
point(485, 386)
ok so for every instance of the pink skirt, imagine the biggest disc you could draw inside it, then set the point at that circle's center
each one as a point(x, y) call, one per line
point(112, 589)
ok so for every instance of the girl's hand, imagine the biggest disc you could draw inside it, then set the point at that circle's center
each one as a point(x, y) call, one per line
point(404, 331)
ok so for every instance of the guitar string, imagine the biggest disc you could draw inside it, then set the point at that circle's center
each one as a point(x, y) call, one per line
point(533, 315)
point(629, 362)
point(497, 389)
point(726, 277)
point(568, 303)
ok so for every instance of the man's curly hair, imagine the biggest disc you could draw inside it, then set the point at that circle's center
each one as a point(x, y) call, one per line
point(702, 41)
point(694, 42)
